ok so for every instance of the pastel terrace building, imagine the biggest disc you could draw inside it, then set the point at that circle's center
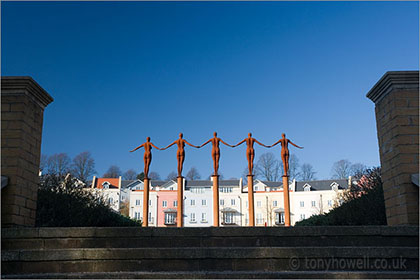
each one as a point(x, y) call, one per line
point(307, 198)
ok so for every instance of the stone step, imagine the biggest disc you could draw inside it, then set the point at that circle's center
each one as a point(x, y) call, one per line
point(267, 259)
point(225, 275)
point(55, 238)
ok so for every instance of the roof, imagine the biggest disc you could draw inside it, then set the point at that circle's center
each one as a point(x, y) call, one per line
point(322, 185)
point(272, 184)
point(114, 182)
point(224, 183)
point(170, 210)
point(198, 183)
point(125, 183)
point(228, 209)
point(157, 183)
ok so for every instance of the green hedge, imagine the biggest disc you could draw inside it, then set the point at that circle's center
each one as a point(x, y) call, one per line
point(63, 205)
point(368, 209)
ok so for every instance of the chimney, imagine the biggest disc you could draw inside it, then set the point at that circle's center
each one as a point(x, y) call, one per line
point(93, 182)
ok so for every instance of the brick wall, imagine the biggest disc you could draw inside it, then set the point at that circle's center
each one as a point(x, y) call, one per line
point(396, 98)
point(22, 109)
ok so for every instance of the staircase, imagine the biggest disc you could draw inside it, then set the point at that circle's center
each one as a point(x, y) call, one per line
point(234, 252)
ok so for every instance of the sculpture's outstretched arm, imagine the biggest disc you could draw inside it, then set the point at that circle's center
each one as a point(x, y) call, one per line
point(295, 145)
point(168, 146)
point(205, 143)
point(275, 144)
point(226, 143)
point(239, 143)
point(142, 145)
point(155, 146)
point(191, 144)
point(258, 142)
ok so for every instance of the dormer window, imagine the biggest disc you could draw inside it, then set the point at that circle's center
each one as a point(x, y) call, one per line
point(334, 186)
point(307, 188)
point(105, 185)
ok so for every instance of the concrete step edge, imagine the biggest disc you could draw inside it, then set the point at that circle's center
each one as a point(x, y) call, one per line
point(222, 275)
point(206, 252)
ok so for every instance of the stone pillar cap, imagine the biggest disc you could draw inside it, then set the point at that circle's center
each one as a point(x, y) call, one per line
point(392, 80)
point(17, 84)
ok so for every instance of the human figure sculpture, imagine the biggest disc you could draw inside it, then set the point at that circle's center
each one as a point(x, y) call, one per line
point(285, 152)
point(250, 154)
point(147, 155)
point(215, 151)
point(180, 154)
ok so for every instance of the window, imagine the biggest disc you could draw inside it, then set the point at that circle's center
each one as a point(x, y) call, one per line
point(164, 203)
point(259, 218)
point(313, 203)
point(255, 188)
point(171, 188)
point(138, 202)
point(334, 186)
point(329, 202)
point(111, 200)
point(306, 187)
point(302, 217)
point(150, 218)
point(203, 217)
point(302, 204)
point(232, 202)
point(175, 203)
point(258, 203)
point(137, 215)
point(280, 218)
point(225, 190)
point(246, 219)
point(150, 202)
point(222, 202)
point(192, 203)
point(192, 217)
point(197, 190)
point(274, 203)
point(204, 202)
point(228, 218)
point(170, 218)
point(105, 185)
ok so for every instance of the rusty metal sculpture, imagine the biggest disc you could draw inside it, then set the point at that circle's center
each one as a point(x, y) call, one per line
point(250, 153)
point(215, 151)
point(147, 155)
point(285, 152)
point(180, 154)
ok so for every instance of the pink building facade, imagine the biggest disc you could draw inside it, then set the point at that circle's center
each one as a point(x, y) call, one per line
point(166, 208)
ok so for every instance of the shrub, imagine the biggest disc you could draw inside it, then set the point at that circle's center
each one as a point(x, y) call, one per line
point(61, 204)
point(365, 205)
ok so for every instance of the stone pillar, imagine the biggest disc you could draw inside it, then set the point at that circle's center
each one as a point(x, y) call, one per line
point(180, 197)
point(286, 201)
point(22, 109)
point(251, 200)
point(146, 202)
point(396, 98)
point(216, 219)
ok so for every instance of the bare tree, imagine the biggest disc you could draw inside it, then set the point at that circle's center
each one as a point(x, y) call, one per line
point(341, 169)
point(113, 172)
point(268, 167)
point(307, 172)
point(83, 166)
point(293, 167)
point(130, 174)
point(171, 176)
point(59, 164)
point(154, 176)
point(358, 170)
point(193, 174)
point(43, 163)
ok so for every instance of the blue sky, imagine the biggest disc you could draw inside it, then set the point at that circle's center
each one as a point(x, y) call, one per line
point(122, 71)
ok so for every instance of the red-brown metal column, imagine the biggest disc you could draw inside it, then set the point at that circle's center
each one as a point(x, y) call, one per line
point(286, 201)
point(146, 202)
point(215, 200)
point(251, 200)
point(180, 197)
